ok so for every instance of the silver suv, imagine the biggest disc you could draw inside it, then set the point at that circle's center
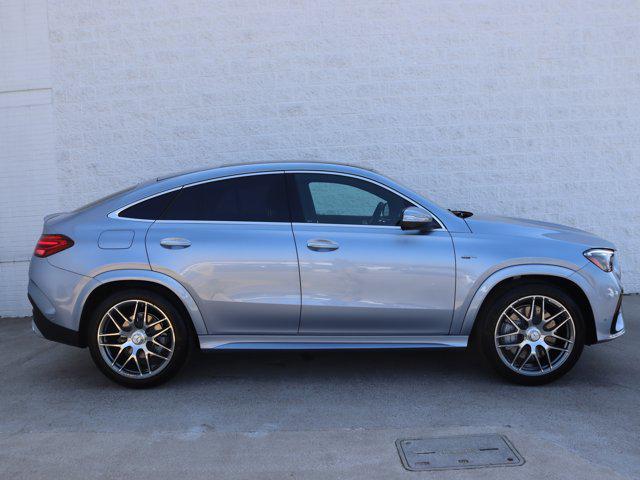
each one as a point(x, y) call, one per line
point(314, 256)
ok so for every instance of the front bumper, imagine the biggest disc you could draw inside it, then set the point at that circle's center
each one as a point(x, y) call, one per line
point(604, 292)
point(617, 324)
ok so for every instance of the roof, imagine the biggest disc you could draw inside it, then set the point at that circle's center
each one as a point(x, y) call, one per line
point(268, 166)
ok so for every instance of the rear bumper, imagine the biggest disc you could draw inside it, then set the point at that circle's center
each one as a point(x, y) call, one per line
point(58, 297)
point(52, 331)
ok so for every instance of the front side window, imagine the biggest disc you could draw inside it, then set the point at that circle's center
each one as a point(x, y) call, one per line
point(338, 199)
point(252, 198)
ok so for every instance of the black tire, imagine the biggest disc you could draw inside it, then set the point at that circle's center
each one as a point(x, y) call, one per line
point(492, 314)
point(181, 339)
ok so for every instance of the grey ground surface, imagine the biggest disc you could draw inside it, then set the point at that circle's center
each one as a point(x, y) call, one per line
point(310, 415)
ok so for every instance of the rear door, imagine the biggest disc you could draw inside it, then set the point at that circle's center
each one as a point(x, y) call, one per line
point(229, 242)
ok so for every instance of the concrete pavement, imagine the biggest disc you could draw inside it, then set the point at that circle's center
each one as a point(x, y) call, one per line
point(310, 415)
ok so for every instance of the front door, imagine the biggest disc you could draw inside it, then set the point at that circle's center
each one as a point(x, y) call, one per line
point(360, 273)
point(229, 242)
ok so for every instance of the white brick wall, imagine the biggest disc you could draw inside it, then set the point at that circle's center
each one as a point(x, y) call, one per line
point(28, 169)
point(521, 108)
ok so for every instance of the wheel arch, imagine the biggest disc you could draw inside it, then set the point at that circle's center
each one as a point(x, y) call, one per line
point(498, 283)
point(110, 282)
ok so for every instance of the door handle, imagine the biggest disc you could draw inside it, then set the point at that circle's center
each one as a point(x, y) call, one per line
point(175, 242)
point(320, 245)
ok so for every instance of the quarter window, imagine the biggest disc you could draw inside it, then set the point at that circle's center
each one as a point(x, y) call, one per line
point(254, 198)
point(338, 199)
point(150, 209)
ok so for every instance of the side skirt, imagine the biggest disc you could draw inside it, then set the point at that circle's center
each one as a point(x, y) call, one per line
point(322, 342)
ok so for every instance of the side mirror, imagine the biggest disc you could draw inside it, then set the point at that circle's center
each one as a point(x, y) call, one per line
point(414, 218)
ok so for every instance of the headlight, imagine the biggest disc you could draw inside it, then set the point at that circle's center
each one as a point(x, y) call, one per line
point(603, 258)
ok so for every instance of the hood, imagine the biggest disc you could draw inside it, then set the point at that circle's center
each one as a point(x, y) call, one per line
point(520, 227)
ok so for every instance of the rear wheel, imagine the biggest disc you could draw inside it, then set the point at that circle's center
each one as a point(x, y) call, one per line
point(137, 338)
point(533, 334)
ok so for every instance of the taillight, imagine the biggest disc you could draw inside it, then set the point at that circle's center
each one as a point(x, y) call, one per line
point(50, 244)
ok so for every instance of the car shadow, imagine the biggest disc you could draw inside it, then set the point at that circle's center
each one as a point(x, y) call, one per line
point(336, 365)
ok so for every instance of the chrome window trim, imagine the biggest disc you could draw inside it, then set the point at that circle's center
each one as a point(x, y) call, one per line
point(225, 222)
point(237, 175)
point(115, 214)
point(348, 225)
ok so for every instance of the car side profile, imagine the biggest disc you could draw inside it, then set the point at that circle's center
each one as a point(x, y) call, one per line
point(314, 256)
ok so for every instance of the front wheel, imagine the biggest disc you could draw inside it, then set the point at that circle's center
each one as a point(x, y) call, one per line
point(532, 334)
point(137, 338)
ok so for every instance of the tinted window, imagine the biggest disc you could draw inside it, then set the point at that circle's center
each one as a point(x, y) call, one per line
point(149, 209)
point(255, 198)
point(326, 198)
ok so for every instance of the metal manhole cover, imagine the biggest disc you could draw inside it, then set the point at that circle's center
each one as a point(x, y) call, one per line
point(465, 451)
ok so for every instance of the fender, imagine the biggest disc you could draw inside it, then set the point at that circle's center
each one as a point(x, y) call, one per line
point(481, 292)
point(145, 276)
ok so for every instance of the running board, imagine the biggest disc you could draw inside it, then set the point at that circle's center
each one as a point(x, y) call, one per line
point(322, 342)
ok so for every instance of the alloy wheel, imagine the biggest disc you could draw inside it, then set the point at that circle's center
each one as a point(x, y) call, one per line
point(136, 339)
point(535, 335)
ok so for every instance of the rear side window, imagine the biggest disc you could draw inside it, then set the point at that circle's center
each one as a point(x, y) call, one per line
point(149, 209)
point(254, 198)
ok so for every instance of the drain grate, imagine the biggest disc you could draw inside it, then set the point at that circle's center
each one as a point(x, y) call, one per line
point(465, 451)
